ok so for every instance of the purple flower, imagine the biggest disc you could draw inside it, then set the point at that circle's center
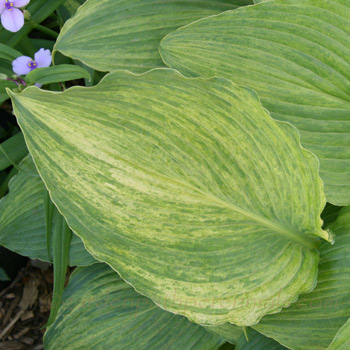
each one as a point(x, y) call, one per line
point(23, 65)
point(12, 18)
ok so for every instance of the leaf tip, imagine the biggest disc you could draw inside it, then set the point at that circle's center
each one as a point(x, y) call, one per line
point(245, 333)
point(330, 236)
point(327, 235)
point(10, 92)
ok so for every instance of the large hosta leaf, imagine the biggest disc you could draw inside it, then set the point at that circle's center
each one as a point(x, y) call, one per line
point(100, 311)
point(295, 55)
point(313, 321)
point(125, 34)
point(187, 187)
point(22, 219)
point(342, 339)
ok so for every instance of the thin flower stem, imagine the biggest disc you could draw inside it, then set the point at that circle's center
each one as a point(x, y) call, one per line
point(45, 30)
point(13, 80)
point(12, 162)
point(62, 86)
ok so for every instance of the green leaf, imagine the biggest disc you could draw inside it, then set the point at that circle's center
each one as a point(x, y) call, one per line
point(55, 74)
point(158, 172)
point(229, 332)
point(12, 151)
point(4, 84)
point(22, 219)
point(61, 239)
point(36, 44)
point(8, 53)
point(313, 321)
point(67, 10)
point(5, 179)
point(49, 209)
point(100, 311)
point(116, 34)
point(295, 55)
point(3, 275)
point(257, 341)
point(6, 71)
point(342, 339)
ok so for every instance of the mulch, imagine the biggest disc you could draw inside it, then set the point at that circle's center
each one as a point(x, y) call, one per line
point(24, 308)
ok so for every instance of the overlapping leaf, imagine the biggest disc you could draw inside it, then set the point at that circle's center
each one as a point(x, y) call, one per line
point(342, 339)
point(257, 341)
point(295, 55)
point(314, 320)
point(117, 34)
point(22, 219)
point(100, 311)
point(60, 73)
point(227, 331)
point(187, 187)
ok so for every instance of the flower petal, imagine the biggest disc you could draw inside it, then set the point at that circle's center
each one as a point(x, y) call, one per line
point(20, 65)
point(20, 3)
point(2, 6)
point(12, 20)
point(42, 58)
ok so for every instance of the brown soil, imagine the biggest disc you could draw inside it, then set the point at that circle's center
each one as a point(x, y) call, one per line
point(24, 309)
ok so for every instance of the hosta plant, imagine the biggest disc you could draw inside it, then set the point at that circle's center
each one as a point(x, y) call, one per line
point(182, 154)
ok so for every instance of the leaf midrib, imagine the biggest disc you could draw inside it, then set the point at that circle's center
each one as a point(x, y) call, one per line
point(287, 232)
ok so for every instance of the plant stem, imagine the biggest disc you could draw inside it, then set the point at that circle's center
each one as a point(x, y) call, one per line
point(45, 30)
